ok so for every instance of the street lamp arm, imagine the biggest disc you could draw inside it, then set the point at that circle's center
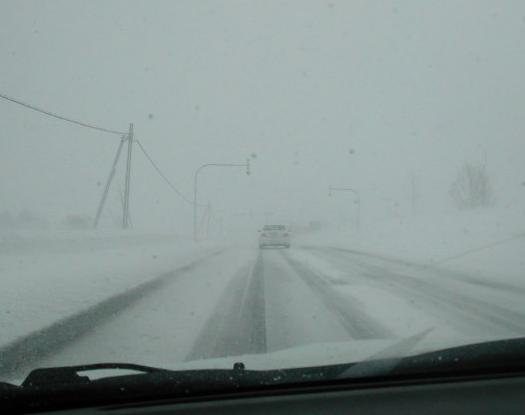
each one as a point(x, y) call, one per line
point(219, 165)
point(346, 189)
point(195, 182)
point(216, 165)
point(212, 165)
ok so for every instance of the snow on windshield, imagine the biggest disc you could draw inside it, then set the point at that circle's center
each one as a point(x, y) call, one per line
point(144, 144)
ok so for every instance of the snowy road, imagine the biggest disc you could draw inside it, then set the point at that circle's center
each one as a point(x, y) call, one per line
point(246, 301)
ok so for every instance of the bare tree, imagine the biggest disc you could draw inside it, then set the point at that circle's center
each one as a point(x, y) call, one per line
point(472, 188)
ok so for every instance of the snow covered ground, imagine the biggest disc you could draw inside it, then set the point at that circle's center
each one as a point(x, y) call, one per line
point(259, 307)
point(459, 277)
point(487, 244)
point(46, 277)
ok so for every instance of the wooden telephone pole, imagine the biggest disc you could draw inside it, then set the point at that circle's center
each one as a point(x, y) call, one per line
point(125, 206)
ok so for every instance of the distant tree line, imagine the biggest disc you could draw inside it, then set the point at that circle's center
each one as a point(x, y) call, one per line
point(23, 219)
point(26, 219)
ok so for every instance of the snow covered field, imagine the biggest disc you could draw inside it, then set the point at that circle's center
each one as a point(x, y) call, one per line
point(488, 244)
point(49, 277)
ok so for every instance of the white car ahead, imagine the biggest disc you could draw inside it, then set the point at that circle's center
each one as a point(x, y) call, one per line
point(274, 235)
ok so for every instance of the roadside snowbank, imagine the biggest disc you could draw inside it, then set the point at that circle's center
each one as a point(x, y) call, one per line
point(46, 277)
point(489, 243)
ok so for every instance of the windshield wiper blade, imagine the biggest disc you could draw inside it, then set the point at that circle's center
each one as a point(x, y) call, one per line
point(489, 357)
point(61, 388)
point(496, 356)
point(387, 359)
point(70, 374)
point(64, 387)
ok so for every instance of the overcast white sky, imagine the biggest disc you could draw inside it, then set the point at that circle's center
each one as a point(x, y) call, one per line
point(412, 87)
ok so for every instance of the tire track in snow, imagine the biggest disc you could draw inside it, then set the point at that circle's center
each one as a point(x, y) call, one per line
point(359, 258)
point(356, 322)
point(462, 311)
point(238, 325)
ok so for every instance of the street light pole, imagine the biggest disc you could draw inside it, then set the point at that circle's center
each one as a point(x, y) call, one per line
point(195, 187)
point(358, 200)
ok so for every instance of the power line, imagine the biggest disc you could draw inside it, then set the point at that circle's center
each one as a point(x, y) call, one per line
point(161, 174)
point(60, 117)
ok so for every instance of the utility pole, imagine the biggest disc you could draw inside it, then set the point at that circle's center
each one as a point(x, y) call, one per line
point(125, 213)
point(126, 221)
point(108, 182)
point(121, 194)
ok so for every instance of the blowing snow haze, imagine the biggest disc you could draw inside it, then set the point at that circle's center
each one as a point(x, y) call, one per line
point(390, 98)
point(383, 215)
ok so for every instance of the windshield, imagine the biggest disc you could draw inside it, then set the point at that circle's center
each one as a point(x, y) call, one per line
point(146, 146)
